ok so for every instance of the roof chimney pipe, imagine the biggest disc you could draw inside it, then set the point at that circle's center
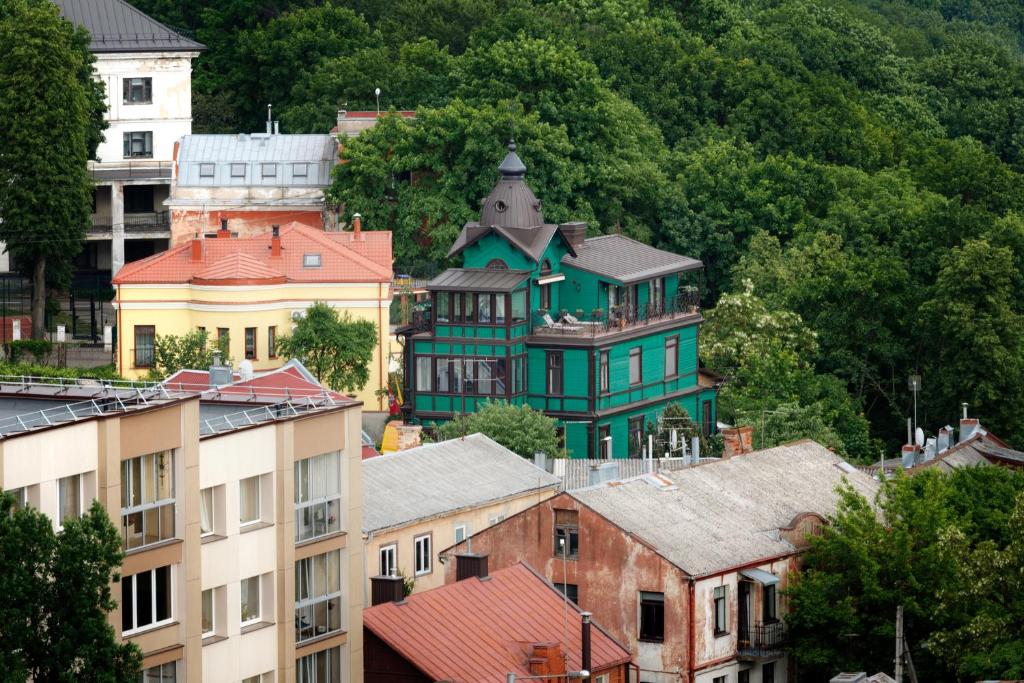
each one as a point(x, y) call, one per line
point(270, 117)
point(197, 248)
point(468, 565)
point(357, 226)
point(277, 127)
point(223, 232)
point(386, 589)
point(585, 637)
point(275, 241)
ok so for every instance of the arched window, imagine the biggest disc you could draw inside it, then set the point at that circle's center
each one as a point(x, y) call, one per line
point(545, 268)
point(497, 264)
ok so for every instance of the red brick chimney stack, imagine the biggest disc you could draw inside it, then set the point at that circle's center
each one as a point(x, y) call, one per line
point(357, 226)
point(197, 248)
point(275, 241)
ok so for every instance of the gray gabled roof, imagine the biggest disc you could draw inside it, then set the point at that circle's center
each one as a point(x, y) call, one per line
point(626, 260)
point(238, 160)
point(722, 514)
point(442, 478)
point(477, 280)
point(116, 26)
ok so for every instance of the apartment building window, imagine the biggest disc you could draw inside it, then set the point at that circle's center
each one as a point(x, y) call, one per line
point(261, 678)
point(317, 595)
point(769, 604)
point(272, 341)
point(147, 499)
point(743, 676)
point(635, 366)
point(138, 145)
point(671, 357)
point(138, 90)
point(208, 613)
point(249, 600)
point(652, 617)
point(250, 343)
point(554, 373)
point(20, 496)
point(318, 496)
point(421, 548)
point(223, 336)
point(567, 533)
point(146, 599)
point(388, 560)
point(605, 373)
point(461, 532)
point(249, 506)
point(145, 342)
point(69, 498)
point(768, 672)
point(604, 441)
point(319, 667)
point(138, 199)
point(636, 435)
point(162, 673)
point(211, 511)
point(423, 373)
point(721, 597)
point(569, 590)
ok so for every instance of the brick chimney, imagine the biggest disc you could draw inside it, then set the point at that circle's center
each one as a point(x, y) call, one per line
point(468, 565)
point(737, 441)
point(357, 226)
point(546, 659)
point(223, 232)
point(275, 241)
point(574, 233)
point(386, 589)
point(197, 248)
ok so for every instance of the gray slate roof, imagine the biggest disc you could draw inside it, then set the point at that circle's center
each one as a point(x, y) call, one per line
point(726, 513)
point(477, 280)
point(441, 478)
point(626, 260)
point(116, 26)
point(231, 154)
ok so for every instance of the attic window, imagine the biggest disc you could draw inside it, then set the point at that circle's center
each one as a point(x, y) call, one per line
point(206, 170)
point(269, 170)
point(299, 170)
point(237, 170)
point(311, 260)
point(497, 264)
point(545, 268)
point(500, 206)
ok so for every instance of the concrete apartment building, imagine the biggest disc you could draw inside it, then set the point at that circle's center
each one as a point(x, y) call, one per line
point(147, 71)
point(421, 500)
point(708, 549)
point(235, 509)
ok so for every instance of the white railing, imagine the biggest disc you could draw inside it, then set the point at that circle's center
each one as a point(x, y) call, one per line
point(119, 401)
point(83, 382)
point(254, 416)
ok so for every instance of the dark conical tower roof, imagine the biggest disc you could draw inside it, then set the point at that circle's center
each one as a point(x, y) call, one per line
point(511, 204)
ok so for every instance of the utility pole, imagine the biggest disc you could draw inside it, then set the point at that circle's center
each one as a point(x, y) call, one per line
point(899, 644)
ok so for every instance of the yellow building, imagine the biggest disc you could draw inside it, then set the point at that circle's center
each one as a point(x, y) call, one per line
point(254, 290)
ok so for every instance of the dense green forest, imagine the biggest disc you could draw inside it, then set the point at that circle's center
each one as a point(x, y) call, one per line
point(850, 171)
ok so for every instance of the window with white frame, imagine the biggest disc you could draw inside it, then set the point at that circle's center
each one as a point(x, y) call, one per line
point(161, 673)
point(146, 599)
point(721, 598)
point(421, 547)
point(461, 532)
point(319, 667)
point(388, 560)
point(249, 600)
point(147, 499)
point(317, 595)
point(494, 519)
point(318, 496)
point(207, 511)
point(69, 498)
point(249, 508)
point(209, 617)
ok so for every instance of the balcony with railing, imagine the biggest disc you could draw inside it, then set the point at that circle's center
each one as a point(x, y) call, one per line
point(684, 304)
point(760, 641)
point(134, 223)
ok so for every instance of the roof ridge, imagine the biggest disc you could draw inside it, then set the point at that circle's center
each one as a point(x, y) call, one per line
point(134, 266)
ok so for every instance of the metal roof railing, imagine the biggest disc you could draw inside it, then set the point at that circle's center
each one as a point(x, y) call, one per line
point(73, 412)
point(264, 414)
point(27, 381)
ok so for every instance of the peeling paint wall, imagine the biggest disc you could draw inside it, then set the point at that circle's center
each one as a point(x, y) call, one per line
point(187, 223)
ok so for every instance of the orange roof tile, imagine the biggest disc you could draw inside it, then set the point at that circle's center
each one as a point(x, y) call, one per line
point(479, 630)
point(247, 260)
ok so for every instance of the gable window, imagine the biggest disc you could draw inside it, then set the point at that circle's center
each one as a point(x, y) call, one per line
point(69, 504)
point(423, 373)
point(545, 267)
point(318, 496)
point(554, 373)
point(137, 90)
point(636, 435)
point(769, 604)
point(145, 599)
point(721, 597)
point(317, 595)
point(671, 357)
point(311, 260)
point(250, 343)
point(138, 145)
point(145, 340)
point(604, 441)
point(567, 533)
point(272, 341)
point(147, 499)
point(605, 373)
point(388, 562)
point(421, 549)
point(652, 617)
point(268, 170)
point(237, 170)
point(496, 264)
point(635, 365)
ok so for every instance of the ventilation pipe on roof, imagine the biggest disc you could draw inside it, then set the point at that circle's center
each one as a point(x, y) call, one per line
point(277, 127)
point(944, 440)
point(270, 117)
point(275, 241)
point(968, 427)
point(585, 637)
point(219, 374)
point(357, 226)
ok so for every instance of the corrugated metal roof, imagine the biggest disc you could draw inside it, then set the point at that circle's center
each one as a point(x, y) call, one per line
point(478, 280)
point(474, 631)
point(116, 26)
point(575, 472)
point(443, 477)
point(729, 512)
point(258, 159)
point(626, 260)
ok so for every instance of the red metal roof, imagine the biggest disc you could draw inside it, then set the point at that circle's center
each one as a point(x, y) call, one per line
point(247, 260)
point(288, 382)
point(479, 630)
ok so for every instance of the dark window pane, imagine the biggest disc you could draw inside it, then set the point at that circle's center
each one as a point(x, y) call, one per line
point(127, 602)
point(144, 598)
point(163, 593)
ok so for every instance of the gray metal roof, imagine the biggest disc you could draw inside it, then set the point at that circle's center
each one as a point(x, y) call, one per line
point(256, 159)
point(477, 280)
point(444, 477)
point(727, 513)
point(511, 203)
point(575, 472)
point(626, 260)
point(116, 26)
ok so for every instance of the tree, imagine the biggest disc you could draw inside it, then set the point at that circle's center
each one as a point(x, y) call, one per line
point(51, 115)
point(521, 429)
point(337, 349)
point(56, 588)
point(191, 350)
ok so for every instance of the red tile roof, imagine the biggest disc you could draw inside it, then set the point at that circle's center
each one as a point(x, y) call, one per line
point(288, 382)
point(247, 260)
point(479, 630)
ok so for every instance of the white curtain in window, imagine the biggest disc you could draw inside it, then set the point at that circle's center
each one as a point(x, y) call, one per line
point(206, 511)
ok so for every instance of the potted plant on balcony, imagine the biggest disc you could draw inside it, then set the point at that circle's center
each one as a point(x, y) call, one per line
point(597, 314)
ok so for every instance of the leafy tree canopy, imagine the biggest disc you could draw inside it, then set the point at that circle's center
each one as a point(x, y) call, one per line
point(520, 429)
point(336, 348)
point(192, 350)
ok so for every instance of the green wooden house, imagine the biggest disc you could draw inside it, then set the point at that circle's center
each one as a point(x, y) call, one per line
point(599, 332)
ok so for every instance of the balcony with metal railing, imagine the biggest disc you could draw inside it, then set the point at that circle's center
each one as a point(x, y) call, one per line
point(685, 304)
point(761, 641)
point(134, 223)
